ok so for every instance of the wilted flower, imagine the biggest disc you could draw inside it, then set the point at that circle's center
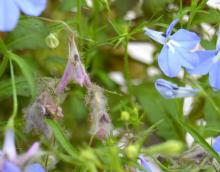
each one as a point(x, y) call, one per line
point(44, 107)
point(209, 62)
point(176, 51)
point(100, 121)
point(11, 162)
point(74, 69)
point(170, 90)
point(216, 145)
point(10, 11)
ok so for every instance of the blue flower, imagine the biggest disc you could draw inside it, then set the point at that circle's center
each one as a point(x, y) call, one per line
point(144, 163)
point(10, 11)
point(170, 90)
point(11, 162)
point(216, 145)
point(177, 49)
point(209, 62)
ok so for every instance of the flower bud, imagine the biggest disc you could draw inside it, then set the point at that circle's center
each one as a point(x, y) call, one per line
point(125, 116)
point(132, 151)
point(52, 41)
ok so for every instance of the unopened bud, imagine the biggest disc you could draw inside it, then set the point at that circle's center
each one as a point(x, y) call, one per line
point(52, 41)
point(125, 116)
point(132, 151)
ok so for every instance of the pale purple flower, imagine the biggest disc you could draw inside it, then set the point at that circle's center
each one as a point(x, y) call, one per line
point(74, 69)
point(11, 162)
point(170, 90)
point(10, 11)
point(177, 49)
point(209, 63)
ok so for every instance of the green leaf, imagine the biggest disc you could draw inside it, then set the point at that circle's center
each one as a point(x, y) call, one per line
point(29, 34)
point(21, 87)
point(198, 138)
point(58, 133)
point(26, 70)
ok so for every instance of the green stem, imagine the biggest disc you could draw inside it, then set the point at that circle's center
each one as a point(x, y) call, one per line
point(14, 91)
point(126, 66)
point(4, 63)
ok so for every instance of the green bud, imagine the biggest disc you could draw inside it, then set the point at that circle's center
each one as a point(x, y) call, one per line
point(169, 148)
point(132, 151)
point(125, 116)
point(52, 41)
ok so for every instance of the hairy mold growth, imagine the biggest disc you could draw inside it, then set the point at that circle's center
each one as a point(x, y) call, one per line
point(46, 105)
point(100, 121)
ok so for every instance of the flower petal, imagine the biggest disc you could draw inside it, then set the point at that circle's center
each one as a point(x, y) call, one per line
point(218, 40)
point(67, 76)
point(214, 74)
point(9, 15)
point(32, 7)
point(145, 164)
point(171, 26)
point(186, 38)
point(170, 90)
point(216, 145)
point(34, 168)
point(29, 154)
point(168, 62)
point(10, 167)
point(155, 35)
point(205, 62)
point(187, 59)
point(9, 148)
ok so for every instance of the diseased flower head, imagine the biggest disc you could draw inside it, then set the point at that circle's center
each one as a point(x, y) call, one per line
point(100, 121)
point(177, 49)
point(11, 162)
point(74, 69)
point(170, 90)
point(45, 106)
point(10, 11)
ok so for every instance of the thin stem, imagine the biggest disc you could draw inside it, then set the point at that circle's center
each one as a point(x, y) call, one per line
point(14, 91)
point(126, 66)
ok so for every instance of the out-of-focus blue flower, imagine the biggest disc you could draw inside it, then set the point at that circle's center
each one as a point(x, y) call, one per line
point(216, 145)
point(11, 162)
point(144, 163)
point(177, 49)
point(209, 62)
point(10, 11)
point(170, 90)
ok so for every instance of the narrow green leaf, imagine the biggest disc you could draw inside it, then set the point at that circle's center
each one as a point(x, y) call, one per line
point(198, 138)
point(26, 70)
point(58, 133)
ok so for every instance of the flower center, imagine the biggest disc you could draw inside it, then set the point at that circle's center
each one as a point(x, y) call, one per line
point(217, 57)
point(172, 44)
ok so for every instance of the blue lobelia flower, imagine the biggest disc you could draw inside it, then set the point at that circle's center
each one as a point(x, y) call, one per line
point(177, 49)
point(10, 11)
point(170, 90)
point(216, 145)
point(11, 162)
point(209, 62)
point(144, 163)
